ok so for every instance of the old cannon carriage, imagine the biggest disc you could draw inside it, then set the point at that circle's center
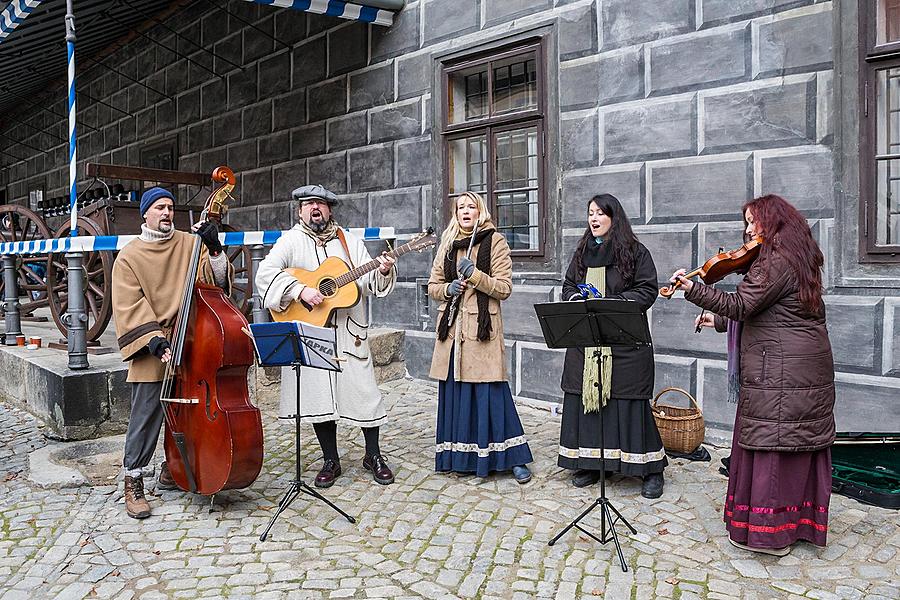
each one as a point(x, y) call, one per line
point(42, 278)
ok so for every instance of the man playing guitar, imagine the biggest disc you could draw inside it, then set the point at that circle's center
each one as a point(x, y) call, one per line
point(351, 395)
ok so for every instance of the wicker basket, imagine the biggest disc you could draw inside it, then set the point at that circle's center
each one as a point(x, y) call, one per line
point(682, 429)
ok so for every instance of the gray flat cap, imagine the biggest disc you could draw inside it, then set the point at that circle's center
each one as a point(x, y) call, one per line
point(314, 191)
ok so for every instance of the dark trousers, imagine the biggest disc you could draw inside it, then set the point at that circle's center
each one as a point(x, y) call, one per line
point(143, 424)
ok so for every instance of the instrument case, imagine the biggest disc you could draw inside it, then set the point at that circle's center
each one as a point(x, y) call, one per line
point(866, 467)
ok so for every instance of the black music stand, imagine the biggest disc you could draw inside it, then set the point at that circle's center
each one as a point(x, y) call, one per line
point(296, 345)
point(588, 324)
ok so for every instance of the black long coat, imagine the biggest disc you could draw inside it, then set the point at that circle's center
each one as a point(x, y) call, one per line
point(633, 368)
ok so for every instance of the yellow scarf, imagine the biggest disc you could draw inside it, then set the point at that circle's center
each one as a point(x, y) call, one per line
point(591, 377)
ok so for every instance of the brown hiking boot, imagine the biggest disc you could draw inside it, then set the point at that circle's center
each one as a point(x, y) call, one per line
point(165, 481)
point(136, 504)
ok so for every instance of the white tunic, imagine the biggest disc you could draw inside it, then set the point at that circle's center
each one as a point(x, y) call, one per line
point(351, 395)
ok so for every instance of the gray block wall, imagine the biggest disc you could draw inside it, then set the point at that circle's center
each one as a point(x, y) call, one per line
point(684, 109)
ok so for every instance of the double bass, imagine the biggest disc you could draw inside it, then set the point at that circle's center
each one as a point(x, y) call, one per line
point(214, 437)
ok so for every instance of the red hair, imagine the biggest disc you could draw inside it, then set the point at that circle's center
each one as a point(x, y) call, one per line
point(786, 232)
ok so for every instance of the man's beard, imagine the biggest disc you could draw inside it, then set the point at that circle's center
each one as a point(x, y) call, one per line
point(164, 226)
point(318, 226)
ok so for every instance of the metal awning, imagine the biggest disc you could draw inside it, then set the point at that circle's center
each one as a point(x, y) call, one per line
point(15, 13)
point(33, 59)
point(379, 12)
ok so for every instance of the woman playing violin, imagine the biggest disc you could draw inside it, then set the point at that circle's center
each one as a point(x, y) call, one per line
point(780, 472)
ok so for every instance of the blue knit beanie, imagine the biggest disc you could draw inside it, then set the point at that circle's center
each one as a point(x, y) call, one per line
point(151, 196)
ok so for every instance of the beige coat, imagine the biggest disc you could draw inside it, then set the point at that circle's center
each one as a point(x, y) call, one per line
point(147, 285)
point(474, 361)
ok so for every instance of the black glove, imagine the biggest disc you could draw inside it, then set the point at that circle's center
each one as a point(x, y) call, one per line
point(209, 233)
point(465, 266)
point(158, 345)
point(455, 288)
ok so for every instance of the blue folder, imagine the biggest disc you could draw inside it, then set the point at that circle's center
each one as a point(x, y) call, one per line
point(287, 343)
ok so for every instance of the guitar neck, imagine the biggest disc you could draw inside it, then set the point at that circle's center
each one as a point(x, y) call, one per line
point(354, 274)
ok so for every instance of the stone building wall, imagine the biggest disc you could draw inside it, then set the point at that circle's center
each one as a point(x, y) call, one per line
point(684, 109)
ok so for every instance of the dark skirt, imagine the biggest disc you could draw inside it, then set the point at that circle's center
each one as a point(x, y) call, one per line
point(478, 428)
point(631, 439)
point(777, 498)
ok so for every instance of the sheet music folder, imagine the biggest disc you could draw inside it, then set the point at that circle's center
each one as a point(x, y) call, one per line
point(288, 343)
point(594, 322)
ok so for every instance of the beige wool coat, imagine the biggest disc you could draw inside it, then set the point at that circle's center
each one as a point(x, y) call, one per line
point(147, 285)
point(474, 361)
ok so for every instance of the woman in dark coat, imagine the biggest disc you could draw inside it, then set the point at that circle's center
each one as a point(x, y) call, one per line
point(610, 257)
point(780, 473)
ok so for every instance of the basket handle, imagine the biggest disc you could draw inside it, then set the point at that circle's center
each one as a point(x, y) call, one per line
point(674, 389)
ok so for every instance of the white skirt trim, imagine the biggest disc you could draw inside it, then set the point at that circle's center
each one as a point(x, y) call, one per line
point(482, 452)
point(613, 454)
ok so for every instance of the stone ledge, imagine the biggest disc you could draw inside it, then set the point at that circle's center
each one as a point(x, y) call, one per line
point(75, 405)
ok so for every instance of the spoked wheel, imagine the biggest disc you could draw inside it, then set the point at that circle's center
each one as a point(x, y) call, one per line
point(18, 224)
point(242, 291)
point(97, 284)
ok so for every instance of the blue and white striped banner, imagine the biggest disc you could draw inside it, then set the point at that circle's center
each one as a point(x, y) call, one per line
point(336, 8)
point(14, 13)
point(117, 242)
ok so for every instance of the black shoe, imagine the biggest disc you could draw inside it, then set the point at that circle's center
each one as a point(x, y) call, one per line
point(381, 472)
point(585, 477)
point(331, 470)
point(652, 486)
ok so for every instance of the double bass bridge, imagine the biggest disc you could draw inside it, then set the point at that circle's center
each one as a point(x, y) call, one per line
point(182, 400)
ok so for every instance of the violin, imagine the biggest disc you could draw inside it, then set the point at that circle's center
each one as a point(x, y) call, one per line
point(721, 265)
point(214, 436)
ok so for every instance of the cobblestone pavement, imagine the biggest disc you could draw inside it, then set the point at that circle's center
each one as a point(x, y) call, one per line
point(428, 535)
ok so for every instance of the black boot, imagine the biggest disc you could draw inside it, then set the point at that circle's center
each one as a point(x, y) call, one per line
point(652, 486)
point(585, 477)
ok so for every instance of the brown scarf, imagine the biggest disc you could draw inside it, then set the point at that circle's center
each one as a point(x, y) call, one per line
point(483, 263)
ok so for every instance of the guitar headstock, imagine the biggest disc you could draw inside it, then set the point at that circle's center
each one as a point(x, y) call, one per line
point(423, 240)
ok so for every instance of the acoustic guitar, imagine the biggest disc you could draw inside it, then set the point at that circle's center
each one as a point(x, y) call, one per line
point(337, 282)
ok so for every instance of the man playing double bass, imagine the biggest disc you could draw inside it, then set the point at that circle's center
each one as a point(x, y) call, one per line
point(147, 284)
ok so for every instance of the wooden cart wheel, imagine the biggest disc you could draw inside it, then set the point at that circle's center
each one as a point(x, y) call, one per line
point(242, 292)
point(18, 224)
point(97, 288)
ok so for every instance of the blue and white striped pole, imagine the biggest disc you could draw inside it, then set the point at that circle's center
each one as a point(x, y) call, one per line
point(76, 317)
point(73, 155)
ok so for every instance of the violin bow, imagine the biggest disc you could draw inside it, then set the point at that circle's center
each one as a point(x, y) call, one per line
point(703, 312)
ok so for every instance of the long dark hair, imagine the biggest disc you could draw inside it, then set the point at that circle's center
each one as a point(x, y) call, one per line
point(785, 231)
point(620, 236)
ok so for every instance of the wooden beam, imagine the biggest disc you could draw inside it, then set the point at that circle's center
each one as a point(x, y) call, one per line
point(142, 174)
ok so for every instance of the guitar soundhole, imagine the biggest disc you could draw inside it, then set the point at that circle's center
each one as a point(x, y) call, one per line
point(328, 287)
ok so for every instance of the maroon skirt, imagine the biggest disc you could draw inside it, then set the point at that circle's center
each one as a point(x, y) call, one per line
point(777, 498)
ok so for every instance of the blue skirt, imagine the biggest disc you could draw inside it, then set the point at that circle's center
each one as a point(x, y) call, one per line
point(478, 428)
